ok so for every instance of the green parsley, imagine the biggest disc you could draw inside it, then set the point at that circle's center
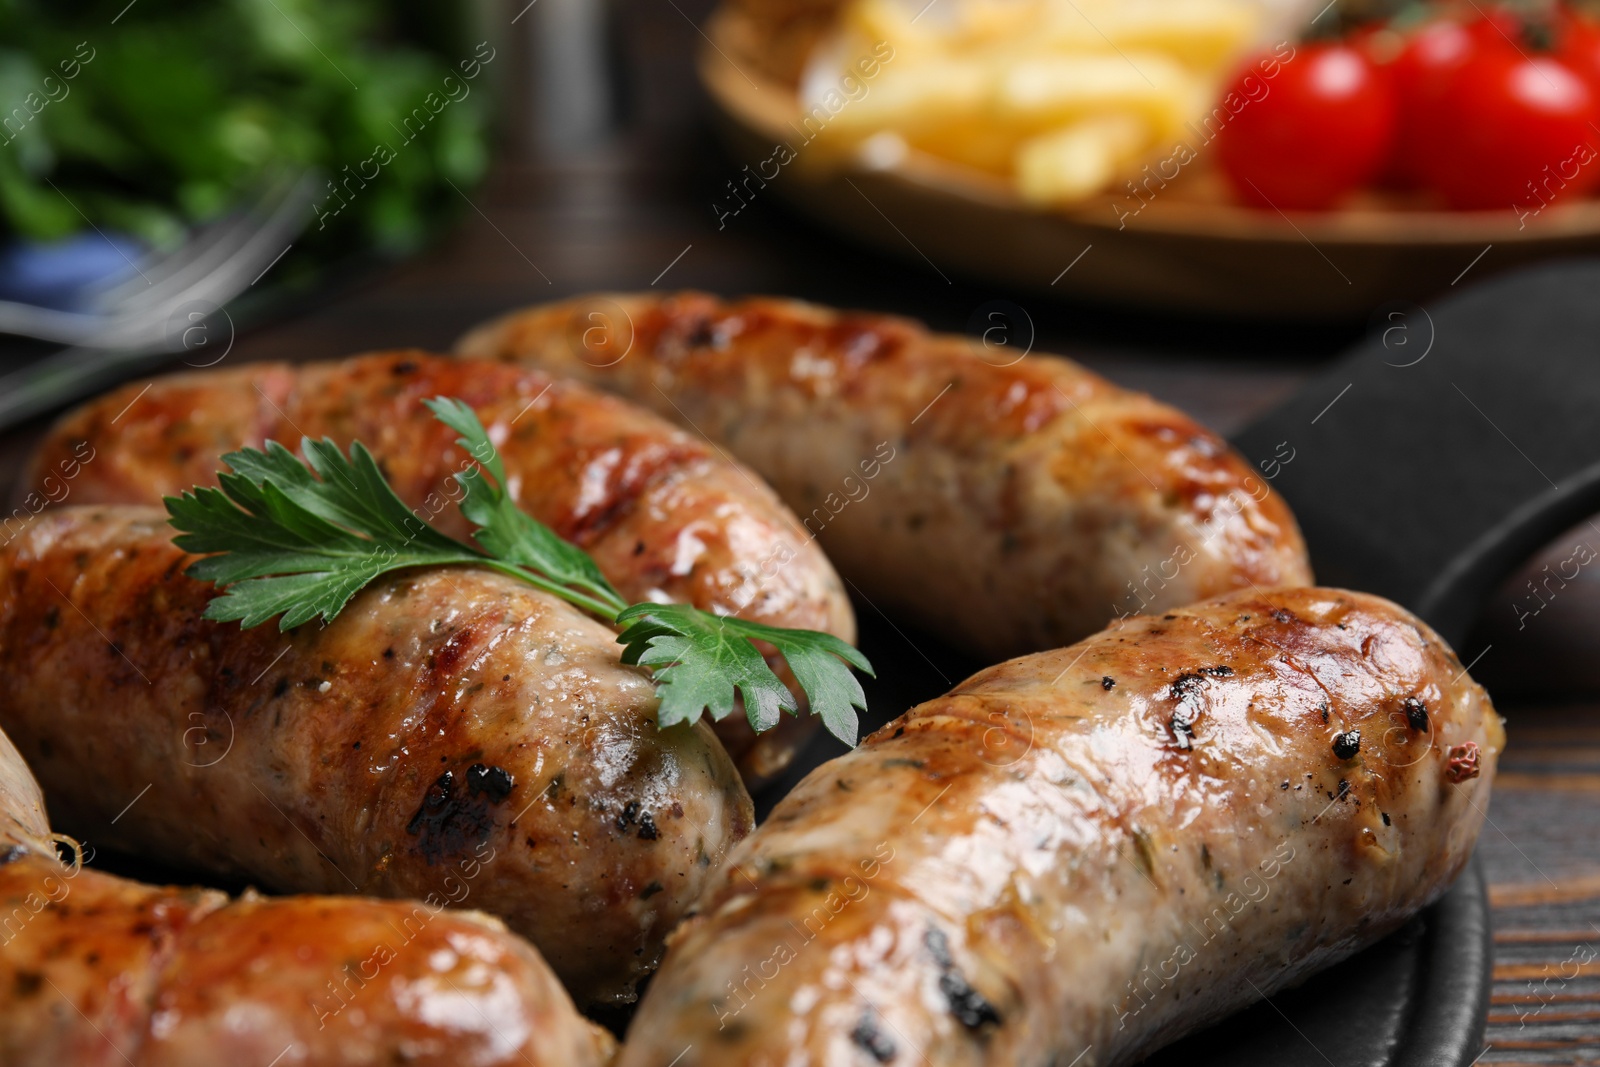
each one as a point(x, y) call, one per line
point(296, 540)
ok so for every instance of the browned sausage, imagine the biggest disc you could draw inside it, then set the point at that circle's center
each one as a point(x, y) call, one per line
point(453, 735)
point(1078, 856)
point(664, 514)
point(1012, 503)
point(98, 971)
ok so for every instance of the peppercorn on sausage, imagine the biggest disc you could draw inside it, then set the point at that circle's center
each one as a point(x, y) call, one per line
point(1078, 856)
point(662, 513)
point(1037, 496)
point(453, 735)
point(99, 971)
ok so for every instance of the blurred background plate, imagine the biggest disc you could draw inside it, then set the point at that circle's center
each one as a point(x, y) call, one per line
point(1187, 249)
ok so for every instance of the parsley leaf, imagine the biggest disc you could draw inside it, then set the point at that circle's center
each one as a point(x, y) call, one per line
point(700, 659)
point(506, 531)
point(297, 540)
point(289, 543)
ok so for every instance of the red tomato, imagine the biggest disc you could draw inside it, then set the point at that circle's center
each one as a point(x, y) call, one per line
point(1512, 131)
point(1319, 129)
point(1580, 49)
point(1497, 26)
point(1424, 68)
point(1430, 53)
point(1379, 41)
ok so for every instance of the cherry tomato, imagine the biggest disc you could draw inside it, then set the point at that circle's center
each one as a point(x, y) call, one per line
point(1512, 131)
point(1319, 129)
point(1497, 26)
point(1420, 75)
point(1580, 49)
point(1379, 41)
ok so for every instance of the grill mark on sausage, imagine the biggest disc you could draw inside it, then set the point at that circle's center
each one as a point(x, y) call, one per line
point(1416, 714)
point(449, 821)
point(690, 331)
point(611, 487)
point(873, 1041)
point(494, 782)
point(968, 1006)
point(1185, 689)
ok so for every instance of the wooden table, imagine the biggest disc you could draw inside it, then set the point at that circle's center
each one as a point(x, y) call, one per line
point(634, 210)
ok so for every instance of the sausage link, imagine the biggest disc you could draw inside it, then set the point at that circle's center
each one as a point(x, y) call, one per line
point(1092, 851)
point(662, 513)
point(453, 736)
point(98, 971)
point(1036, 495)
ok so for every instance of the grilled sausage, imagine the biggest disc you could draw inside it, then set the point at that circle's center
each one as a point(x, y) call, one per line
point(664, 515)
point(453, 735)
point(1091, 851)
point(1039, 497)
point(98, 971)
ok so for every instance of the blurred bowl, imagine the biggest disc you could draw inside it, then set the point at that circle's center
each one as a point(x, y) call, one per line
point(1185, 248)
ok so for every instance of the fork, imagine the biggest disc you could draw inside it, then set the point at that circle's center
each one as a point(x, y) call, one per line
point(130, 326)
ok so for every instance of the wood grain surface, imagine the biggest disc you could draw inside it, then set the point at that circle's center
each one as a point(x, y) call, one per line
point(633, 208)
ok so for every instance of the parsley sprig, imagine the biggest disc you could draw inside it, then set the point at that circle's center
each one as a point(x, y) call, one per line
point(295, 540)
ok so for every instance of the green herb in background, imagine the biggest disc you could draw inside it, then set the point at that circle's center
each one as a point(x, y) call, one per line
point(285, 540)
point(174, 110)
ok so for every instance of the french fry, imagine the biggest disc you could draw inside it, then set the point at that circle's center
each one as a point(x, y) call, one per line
point(1060, 95)
point(1041, 94)
point(1202, 34)
point(980, 143)
point(1076, 162)
point(899, 24)
point(917, 98)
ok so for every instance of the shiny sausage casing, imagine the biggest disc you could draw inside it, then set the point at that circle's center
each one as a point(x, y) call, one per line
point(1092, 851)
point(1011, 503)
point(98, 971)
point(453, 735)
point(664, 515)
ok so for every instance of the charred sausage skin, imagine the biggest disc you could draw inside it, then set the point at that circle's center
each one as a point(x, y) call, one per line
point(937, 471)
point(663, 514)
point(453, 736)
point(1094, 850)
